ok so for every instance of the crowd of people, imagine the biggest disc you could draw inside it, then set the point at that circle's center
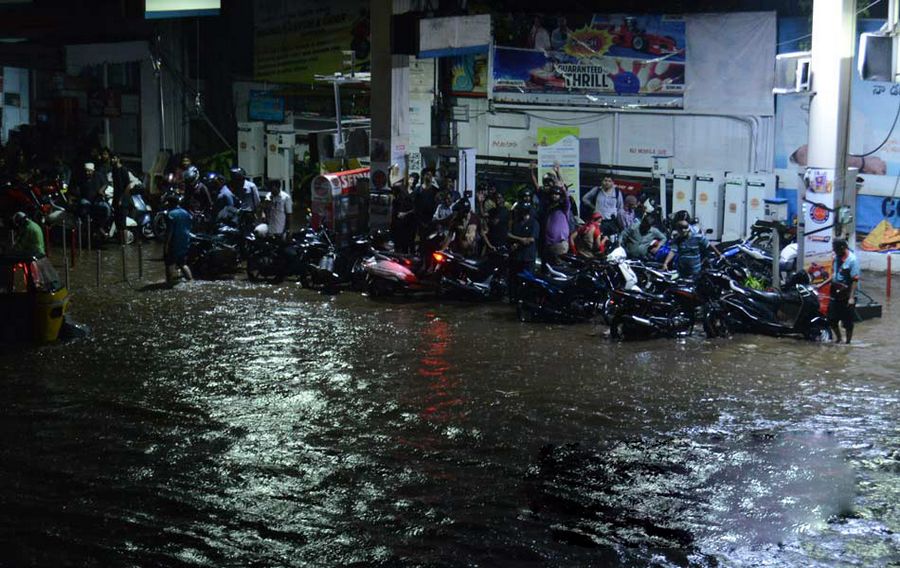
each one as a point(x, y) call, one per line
point(542, 224)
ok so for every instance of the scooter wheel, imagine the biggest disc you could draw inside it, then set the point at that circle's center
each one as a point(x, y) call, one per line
point(715, 325)
point(819, 334)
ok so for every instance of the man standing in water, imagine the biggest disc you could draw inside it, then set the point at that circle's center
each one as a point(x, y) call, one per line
point(842, 304)
point(178, 239)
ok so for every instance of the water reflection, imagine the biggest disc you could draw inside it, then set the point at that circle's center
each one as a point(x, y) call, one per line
point(441, 401)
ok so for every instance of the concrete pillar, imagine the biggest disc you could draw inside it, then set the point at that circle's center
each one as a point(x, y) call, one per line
point(390, 109)
point(833, 46)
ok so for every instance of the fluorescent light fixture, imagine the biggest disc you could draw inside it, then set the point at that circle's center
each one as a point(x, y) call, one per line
point(159, 9)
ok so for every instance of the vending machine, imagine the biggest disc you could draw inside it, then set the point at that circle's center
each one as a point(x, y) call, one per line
point(251, 138)
point(683, 190)
point(735, 214)
point(760, 187)
point(280, 142)
point(709, 202)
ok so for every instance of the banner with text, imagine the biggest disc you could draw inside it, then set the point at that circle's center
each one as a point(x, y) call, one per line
point(295, 42)
point(592, 60)
point(558, 147)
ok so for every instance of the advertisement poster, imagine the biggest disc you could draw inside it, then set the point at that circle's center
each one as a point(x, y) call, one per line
point(295, 42)
point(819, 225)
point(470, 75)
point(558, 146)
point(873, 107)
point(599, 59)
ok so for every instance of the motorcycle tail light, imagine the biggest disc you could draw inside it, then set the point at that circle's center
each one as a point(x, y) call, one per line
point(438, 257)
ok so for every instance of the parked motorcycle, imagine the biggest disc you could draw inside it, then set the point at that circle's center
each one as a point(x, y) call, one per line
point(793, 311)
point(562, 296)
point(212, 256)
point(483, 278)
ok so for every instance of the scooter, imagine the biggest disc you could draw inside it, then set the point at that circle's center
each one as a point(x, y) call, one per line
point(141, 214)
point(482, 279)
point(388, 272)
point(793, 311)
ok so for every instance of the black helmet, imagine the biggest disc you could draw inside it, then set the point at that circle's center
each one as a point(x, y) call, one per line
point(191, 174)
point(238, 171)
point(549, 178)
point(523, 209)
point(19, 219)
point(526, 194)
point(173, 201)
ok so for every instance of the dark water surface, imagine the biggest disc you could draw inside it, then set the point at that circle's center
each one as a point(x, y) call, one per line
point(224, 423)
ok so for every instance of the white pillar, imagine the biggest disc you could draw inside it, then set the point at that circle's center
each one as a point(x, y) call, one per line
point(389, 107)
point(833, 46)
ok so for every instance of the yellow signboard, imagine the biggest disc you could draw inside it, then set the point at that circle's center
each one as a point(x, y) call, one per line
point(297, 41)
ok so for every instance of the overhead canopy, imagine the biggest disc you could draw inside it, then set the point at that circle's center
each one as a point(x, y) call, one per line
point(78, 56)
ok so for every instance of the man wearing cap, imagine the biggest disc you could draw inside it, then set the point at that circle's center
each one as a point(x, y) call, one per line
point(90, 194)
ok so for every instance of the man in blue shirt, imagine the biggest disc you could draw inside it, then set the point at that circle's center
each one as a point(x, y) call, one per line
point(224, 203)
point(178, 240)
point(691, 248)
point(244, 190)
point(842, 304)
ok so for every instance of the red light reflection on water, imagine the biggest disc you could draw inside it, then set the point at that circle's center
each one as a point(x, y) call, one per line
point(442, 402)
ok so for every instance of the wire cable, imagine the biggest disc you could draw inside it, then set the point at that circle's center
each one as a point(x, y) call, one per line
point(886, 138)
point(860, 11)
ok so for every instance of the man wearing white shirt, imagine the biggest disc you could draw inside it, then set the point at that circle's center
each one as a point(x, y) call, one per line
point(280, 210)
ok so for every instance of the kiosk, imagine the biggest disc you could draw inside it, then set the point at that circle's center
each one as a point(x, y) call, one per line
point(340, 203)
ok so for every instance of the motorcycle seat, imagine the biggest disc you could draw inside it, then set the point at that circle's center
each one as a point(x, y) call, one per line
point(765, 297)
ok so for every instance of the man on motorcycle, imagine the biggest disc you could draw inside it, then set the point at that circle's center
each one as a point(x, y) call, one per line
point(691, 247)
point(195, 191)
point(244, 190)
point(225, 200)
point(589, 241)
point(91, 198)
point(178, 239)
point(29, 236)
point(638, 239)
point(844, 283)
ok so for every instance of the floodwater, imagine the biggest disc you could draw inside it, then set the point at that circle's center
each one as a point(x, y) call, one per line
point(226, 423)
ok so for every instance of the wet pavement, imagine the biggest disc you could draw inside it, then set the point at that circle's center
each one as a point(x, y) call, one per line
point(227, 423)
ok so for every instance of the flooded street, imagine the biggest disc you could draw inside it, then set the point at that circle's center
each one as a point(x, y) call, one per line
point(227, 423)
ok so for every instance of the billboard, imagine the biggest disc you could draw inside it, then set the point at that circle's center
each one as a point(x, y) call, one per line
point(591, 60)
point(158, 9)
point(297, 41)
